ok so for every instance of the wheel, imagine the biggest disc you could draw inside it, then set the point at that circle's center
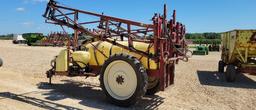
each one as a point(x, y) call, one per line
point(221, 66)
point(230, 73)
point(153, 86)
point(14, 42)
point(29, 44)
point(123, 79)
point(1, 62)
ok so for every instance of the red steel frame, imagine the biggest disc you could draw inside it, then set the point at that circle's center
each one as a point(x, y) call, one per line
point(56, 39)
point(167, 37)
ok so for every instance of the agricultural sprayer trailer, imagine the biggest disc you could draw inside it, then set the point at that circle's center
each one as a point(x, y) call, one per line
point(238, 53)
point(132, 58)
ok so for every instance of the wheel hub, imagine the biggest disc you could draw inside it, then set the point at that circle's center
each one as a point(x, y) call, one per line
point(120, 79)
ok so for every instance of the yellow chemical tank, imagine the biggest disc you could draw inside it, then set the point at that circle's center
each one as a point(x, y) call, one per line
point(81, 58)
point(62, 61)
point(98, 59)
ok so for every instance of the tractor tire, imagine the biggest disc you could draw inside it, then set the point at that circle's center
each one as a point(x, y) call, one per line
point(123, 79)
point(154, 83)
point(230, 73)
point(29, 44)
point(155, 87)
point(221, 66)
point(1, 62)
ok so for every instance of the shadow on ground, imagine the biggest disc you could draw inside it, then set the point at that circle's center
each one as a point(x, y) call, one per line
point(214, 78)
point(92, 96)
point(36, 102)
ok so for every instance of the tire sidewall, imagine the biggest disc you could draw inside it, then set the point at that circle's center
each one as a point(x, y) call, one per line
point(221, 66)
point(139, 71)
point(230, 73)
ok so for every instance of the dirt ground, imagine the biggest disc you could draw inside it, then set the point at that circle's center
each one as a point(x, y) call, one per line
point(197, 85)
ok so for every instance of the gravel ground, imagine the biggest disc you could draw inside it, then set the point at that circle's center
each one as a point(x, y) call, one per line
point(197, 85)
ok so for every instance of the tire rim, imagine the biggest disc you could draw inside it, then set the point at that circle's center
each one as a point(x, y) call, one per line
point(120, 80)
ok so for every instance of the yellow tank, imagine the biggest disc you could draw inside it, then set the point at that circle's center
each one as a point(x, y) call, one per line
point(98, 59)
point(62, 61)
point(81, 57)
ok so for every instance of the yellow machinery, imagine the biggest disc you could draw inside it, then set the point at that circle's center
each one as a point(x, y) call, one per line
point(131, 58)
point(238, 53)
point(97, 58)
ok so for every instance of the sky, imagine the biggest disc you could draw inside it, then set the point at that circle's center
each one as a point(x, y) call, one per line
point(22, 16)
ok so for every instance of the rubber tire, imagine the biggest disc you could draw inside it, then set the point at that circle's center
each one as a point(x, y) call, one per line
point(141, 79)
point(154, 90)
point(221, 66)
point(1, 62)
point(230, 73)
point(29, 44)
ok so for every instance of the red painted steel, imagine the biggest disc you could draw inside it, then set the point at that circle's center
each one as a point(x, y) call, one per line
point(167, 36)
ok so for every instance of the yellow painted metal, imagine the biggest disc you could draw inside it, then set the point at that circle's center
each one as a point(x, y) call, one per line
point(81, 57)
point(99, 51)
point(62, 61)
point(98, 59)
point(237, 46)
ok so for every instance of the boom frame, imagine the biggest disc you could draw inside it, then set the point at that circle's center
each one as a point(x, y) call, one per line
point(167, 36)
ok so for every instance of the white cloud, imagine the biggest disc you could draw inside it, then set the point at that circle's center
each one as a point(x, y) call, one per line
point(28, 23)
point(20, 9)
point(40, 1)
point(35, 1)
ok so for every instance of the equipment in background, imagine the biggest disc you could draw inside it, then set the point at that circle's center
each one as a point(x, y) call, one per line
point(132, 58)
point(18, 39)
point(54, 39)
point(214, 47)
point(32, 38)
point(238, 53)
point(201, 50)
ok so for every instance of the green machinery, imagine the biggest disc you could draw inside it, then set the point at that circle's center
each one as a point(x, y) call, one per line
point(238, 53)
point(32, 37)
point(201, 50)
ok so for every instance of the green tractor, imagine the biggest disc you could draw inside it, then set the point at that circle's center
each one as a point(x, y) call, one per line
point(201, 50)
point(32, 38)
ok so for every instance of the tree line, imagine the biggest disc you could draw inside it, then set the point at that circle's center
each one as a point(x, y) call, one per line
point(211, 35)
point(6, 37)
point(204, 38)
